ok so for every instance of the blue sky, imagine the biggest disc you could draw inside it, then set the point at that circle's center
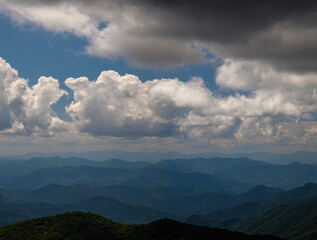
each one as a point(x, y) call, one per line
point(220, 87)
point(35, 52)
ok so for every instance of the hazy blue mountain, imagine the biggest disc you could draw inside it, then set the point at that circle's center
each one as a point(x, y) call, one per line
point(149, 177)
point(79, 225)
point(308, 191)
point(179, 201)
point(185, 206)
point(227, 217)
point(224, 209)
point(261, 193)
point(58, 194)
point(267, 198)
point(22, 167)
point(19, 167)
point(113, 209)
point(206, 203)
point(66, 176)
point(118, 163)
point(98, 176)
point(276, 158)
point(7, 196)
point(117, 211)
point(246, 170)
point(105, 155)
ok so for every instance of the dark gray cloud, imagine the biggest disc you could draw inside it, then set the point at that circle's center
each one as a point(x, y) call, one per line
point(227, 20)
point(162, 33)
point(281, 32)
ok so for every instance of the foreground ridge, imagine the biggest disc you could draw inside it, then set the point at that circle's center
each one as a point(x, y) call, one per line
point(83, 225)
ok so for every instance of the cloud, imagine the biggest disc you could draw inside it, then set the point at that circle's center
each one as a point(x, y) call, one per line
point(123, 106)
point(27, 110)
point(173, 33)
point(269, 69)
point(277, 91)
point(277, 107)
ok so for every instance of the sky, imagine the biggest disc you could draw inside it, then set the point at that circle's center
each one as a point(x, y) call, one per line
point(149, 75)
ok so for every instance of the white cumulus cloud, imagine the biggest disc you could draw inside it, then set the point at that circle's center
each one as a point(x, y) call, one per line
point(25, 109)
point(278, 91)
point(123, 106)
point(277, 108)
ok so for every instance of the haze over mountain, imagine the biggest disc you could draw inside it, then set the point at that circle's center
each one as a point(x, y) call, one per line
point(217, 192)
point(215, 174)
point(177, 187)
point(275, 158)
point(97, 176)
point(123, 212)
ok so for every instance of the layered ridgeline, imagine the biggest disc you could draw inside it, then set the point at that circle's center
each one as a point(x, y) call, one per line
point(140, 205)
point(79, 225)
point(301, 156)
point(218, 192)
point(291, 214)
point(215, 174)
point(123, 212)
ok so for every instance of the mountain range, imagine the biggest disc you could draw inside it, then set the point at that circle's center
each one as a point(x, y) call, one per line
point(231, 174)
point(275, 158)
point(232, 193)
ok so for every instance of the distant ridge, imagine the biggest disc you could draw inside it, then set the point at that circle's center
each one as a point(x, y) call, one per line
point(239, 174)
point(277, 158)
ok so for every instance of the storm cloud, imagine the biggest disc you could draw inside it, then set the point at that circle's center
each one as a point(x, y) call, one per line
point(173, 33)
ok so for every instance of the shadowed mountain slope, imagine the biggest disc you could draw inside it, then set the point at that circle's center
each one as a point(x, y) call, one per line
point(253, 203)
point(84, 226)
point(294, 221)
point(113, 209)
